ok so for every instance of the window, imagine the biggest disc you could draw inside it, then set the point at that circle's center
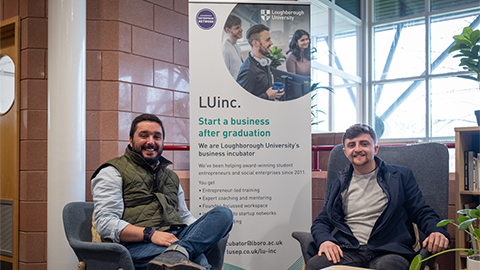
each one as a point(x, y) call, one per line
point(392, 69)
point(336, 38)
point(415, 94)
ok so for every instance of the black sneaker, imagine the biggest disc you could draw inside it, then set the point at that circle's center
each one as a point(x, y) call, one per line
point(172, 260)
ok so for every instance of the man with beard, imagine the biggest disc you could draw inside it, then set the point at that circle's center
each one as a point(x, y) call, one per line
point(232, 54)
point(255, 75)
point(367, 218)
point(139, 202)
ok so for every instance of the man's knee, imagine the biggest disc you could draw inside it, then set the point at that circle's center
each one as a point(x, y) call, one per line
point(223, 214)
point(391, 261)
point(318, 262)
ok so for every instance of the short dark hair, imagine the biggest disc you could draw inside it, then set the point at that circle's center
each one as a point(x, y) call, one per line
point(357, 130)
point(253, 33)
point(231, 21)
point(145, 117)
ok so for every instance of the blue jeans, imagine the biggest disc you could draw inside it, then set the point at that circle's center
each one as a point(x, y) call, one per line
point(197, 238)
point(362, 257)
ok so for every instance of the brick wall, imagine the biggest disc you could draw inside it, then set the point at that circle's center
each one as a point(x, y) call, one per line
point(33, 131)
point(137, 62)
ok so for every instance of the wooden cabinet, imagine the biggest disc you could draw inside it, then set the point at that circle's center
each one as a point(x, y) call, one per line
point(466, 139)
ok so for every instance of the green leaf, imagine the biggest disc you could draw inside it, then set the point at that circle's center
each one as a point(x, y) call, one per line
point(464, 225)
point(457, 46)
point(470, 252)
point(475, 50)
point(475, 36)
point(474, 213)
point(313, 88)
point(467, 77)
point(445, 222)
point(466, 61)
point(459, 37)
point(465, 42)
point(416, 263)
point(467, 31)
point(462, 218)
point(463, 212)
point(461, 53)
point(468, 52)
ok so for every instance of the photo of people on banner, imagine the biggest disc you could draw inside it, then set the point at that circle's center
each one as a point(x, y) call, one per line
point(266, 49)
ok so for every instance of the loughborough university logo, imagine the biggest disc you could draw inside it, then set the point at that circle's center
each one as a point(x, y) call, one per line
point(265, 14)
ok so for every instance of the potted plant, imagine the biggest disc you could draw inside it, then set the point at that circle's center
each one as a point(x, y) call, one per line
point(276, 56)
point(313, 88)
point(468, 46)
point(468, 223)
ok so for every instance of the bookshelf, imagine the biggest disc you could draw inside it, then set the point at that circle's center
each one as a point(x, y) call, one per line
point(466, 139)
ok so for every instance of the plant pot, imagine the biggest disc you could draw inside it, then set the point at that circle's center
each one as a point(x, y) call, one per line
point(477, 114)
point(473, 262)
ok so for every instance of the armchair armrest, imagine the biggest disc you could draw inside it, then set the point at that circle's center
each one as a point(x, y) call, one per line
point(216, 254)
point(102, 255)
point(305, 239)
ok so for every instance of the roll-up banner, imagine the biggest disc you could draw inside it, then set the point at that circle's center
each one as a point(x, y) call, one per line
point(250, 138)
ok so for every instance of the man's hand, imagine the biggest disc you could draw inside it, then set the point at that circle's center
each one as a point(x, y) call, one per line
point(436, 242)
point(274, 94)
point(331, 250)
point(133, 233)
point(163, 238)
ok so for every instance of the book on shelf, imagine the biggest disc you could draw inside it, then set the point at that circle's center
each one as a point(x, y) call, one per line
point(465, 169)
point(477, 171)
point(472, 171)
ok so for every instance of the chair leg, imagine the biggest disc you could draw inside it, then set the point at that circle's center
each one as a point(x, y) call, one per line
point(81, 266)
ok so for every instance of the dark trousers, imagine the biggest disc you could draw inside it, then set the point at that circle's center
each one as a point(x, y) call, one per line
point(362, 257)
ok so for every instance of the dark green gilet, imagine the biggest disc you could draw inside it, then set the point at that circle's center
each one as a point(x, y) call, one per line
point(149, 195)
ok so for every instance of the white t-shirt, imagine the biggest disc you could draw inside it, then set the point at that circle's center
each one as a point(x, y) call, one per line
point(363, 203)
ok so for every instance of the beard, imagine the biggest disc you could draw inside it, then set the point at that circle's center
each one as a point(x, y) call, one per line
point(363, 159)
point(238, 35)
point(263, 50)
point(149, 160)
point(152, 161)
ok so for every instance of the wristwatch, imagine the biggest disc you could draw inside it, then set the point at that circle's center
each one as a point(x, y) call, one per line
point(147, 234)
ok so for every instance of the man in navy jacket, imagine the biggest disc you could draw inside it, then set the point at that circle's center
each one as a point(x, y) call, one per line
point(367, 218)
point(254, 75)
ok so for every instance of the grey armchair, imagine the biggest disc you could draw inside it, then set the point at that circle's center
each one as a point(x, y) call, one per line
point(429, 163)
point(77, 222)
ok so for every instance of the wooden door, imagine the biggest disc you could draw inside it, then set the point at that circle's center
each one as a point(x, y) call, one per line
point(9, 141)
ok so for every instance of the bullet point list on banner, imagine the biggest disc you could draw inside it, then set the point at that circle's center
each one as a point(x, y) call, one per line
point(244, 202)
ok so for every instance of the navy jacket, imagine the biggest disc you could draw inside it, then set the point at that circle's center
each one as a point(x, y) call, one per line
point(393, 231)
point(254, 77)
